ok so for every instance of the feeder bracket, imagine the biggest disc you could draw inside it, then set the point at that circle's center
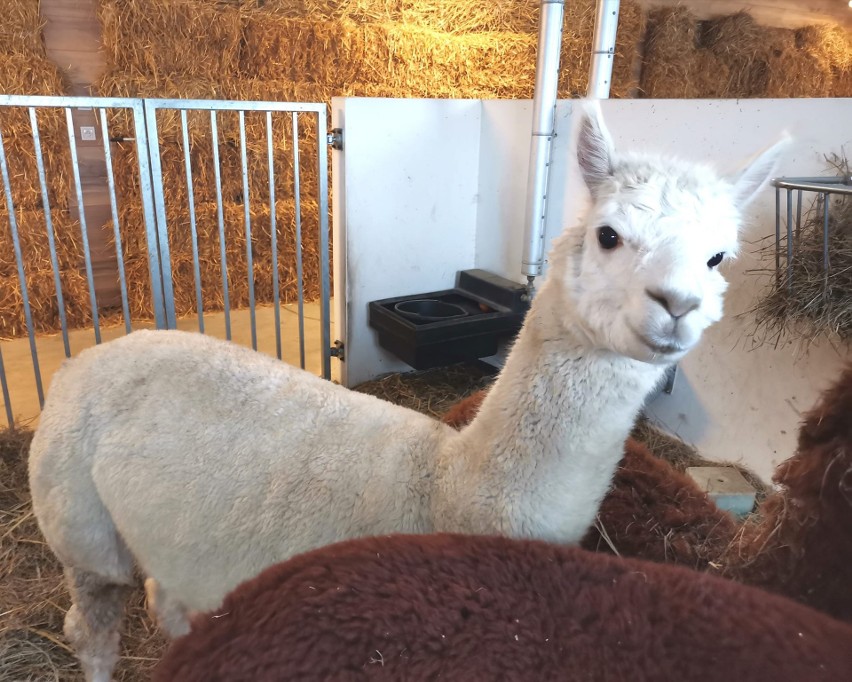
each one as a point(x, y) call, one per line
point(334, 138)
point(338, 350)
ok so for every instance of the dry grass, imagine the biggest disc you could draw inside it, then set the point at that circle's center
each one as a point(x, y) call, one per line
point(733, 57)
point(809, 301)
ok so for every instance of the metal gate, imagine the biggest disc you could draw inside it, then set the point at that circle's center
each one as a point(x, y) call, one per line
point(212, 203)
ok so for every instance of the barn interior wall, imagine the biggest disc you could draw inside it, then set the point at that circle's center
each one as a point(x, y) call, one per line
point(732, 400)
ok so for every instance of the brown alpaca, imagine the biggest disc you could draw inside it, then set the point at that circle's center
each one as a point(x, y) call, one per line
point(435, 607)
point(797, 544)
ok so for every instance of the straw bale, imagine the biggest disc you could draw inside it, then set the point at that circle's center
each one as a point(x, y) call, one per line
point(412, 59)
point(28, 74)
point(20, 30)
point(452, 16)
point(210, 268)
point(43, 302)
point(35, 247)
point(734, 57)
point(23, 169)
point(162, 37)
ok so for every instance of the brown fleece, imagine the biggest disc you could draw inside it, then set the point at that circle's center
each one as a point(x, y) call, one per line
point(451, 607)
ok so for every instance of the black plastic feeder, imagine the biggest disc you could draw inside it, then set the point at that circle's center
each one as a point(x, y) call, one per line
point(444, 327)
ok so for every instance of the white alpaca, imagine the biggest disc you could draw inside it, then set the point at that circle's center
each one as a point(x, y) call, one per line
point(205, 462)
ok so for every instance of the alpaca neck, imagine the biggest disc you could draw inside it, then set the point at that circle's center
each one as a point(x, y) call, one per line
point(552, 428)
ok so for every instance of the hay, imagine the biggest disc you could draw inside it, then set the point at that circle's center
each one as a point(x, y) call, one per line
point(20, 31)
point(734, 57)
point(811, 301)
point(451, 16)
point(33, 597)
point(35, 247)
point(44, 307)
point(200, 40)
point(432, 391)
point(210, 267)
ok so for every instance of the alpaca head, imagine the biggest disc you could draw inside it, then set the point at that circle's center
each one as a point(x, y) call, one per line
point(642, 271)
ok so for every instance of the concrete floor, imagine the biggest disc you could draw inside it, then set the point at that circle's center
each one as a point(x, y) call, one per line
point(51, 353)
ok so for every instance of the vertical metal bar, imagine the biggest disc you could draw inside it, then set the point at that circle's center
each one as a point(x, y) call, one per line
point(113, 204)
point(48, 219)
point(789, 240)
point(777, 236)
point(543, 131)
point(72, 142)
point(798, 216)
point(7, 403)
point(273, 229)
point(191, 200)
point(247, 214)
point(214, 132)
point(825, 204)
point(325, 289)
point(603, 49)
point(146, 193)
point(297, 213)
point(160, 206)
point(19, 261)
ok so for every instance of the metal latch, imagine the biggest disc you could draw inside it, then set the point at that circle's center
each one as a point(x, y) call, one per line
point(337, 350)
point(334, 139)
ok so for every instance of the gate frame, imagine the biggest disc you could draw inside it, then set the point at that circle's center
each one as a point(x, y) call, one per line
point(153, 205)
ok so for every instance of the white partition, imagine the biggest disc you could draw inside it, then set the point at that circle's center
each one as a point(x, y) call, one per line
point(425, 188)
point(405, 200)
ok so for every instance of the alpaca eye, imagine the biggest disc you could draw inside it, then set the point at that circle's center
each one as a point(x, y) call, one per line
point(715, 260)
point(608, 238)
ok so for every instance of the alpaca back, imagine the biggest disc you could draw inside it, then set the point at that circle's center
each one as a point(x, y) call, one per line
point(200, 452)
point(488, 608)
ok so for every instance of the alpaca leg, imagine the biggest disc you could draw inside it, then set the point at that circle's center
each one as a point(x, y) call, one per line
point(92, 623)
point(170, 615)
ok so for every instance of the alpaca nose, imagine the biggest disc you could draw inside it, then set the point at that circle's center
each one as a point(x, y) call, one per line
point(676, 304)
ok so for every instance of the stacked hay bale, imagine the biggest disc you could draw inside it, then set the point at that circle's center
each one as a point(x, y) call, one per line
point(26, 70)
point(734, 57)
point(309, 51)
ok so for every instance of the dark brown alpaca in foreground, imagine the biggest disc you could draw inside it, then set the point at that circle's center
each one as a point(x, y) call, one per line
point(456, 607)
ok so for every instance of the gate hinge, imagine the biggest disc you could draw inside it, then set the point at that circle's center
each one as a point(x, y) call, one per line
point(338, 351)
point(334, 139)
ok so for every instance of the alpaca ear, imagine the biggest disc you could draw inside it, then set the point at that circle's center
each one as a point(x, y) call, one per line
point(752, 178)
point(594, 148)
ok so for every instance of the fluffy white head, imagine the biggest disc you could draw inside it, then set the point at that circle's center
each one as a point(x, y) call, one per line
point(642, 272)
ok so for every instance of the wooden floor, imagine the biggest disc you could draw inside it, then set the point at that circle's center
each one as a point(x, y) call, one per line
point(72, 36)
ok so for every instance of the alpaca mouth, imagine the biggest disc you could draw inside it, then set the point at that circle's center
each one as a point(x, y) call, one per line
point(658, 346)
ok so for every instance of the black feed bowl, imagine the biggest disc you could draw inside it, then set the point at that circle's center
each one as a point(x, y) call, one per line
point(429, 310)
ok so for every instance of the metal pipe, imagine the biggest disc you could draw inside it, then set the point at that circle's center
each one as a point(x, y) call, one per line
point(297, 210)
point(603, 49)
point(790, 240)
point(190, 200)
point(325, 283)
point(84, 230)
point(273, 232)
point(543, 132)
point(217, 172)
point(247, 221)
point(51, 240)
point(116, 228)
